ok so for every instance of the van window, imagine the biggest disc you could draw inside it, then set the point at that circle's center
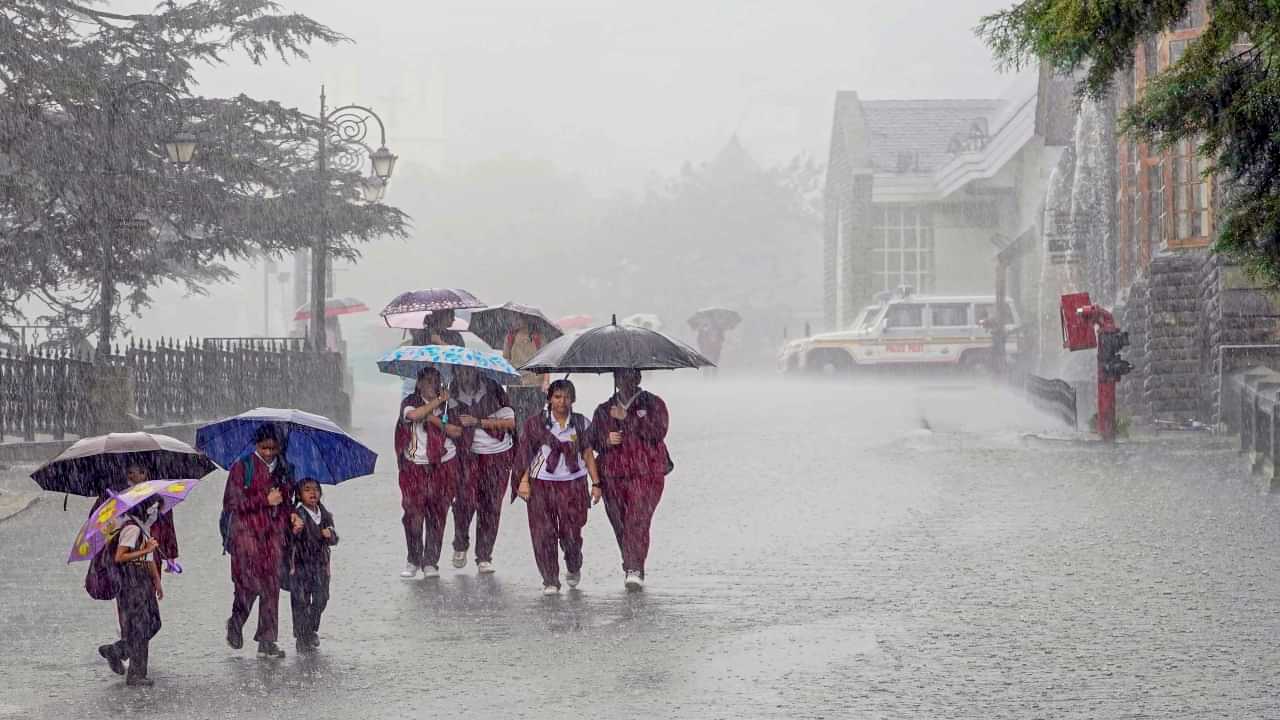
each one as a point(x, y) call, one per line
point(949, 315)
point(983, 311)
point(905, 315)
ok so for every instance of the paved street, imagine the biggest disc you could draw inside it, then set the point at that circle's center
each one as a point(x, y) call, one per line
point(819, 553)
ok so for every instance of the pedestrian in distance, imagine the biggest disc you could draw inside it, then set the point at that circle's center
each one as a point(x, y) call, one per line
point(556, 461)
point(312, 534)
point(435, 330)
point(629, 431)
point(486, 453)
point(140, 592)
point(256, 504)
point(160, 527)
point(427, 455)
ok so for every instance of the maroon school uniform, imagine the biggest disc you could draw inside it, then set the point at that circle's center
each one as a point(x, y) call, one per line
point(257, 542)
point(632, 475)
point(484, 474)
point(557, 508)
point(426, 490)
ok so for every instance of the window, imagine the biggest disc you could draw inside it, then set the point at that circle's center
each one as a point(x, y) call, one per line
point(1190, 193)
point(1195, 18)
point(1155, 205)
point(902, 253)
point(905, 315)
point(949, 315)
point(1176, 50)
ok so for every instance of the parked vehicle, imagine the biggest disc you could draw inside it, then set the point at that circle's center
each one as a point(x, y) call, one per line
point(903, 328)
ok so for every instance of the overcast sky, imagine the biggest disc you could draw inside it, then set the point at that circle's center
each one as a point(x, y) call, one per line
point(614, 91)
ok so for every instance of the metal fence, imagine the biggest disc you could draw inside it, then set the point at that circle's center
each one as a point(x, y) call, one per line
point(50, 393)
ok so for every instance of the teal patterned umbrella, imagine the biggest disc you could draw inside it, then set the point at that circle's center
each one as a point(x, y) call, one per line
point(407, 360)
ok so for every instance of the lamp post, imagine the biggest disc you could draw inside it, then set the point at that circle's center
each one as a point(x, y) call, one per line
point(179, 147)
point(346, 127)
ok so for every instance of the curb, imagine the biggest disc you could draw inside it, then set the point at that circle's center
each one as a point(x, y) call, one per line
point(13, 503)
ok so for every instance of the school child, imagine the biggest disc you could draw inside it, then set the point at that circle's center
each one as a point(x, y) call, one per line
point(311, 535)
point(140, 592)
point(555, 462)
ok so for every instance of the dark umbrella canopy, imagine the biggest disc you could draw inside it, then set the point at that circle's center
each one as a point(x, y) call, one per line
point(720, 317)
point(95, 464)
point(431, 300)
point(613, 347)
point(493, 324)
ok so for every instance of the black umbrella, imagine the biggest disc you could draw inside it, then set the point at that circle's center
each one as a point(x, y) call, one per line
point(720, 317)
point(94, 464)
point(615, 347)
point(492, 324)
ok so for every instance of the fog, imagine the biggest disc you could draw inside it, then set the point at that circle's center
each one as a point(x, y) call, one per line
point(530, 132)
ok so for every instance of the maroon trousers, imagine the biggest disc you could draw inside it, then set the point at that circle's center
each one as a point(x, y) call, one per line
point(483, 486)
point(425, 494)
point(629, 502)
point(267, 593)
point(557, 514)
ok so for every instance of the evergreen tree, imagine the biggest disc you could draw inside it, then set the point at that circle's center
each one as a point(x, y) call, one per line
point(1224, 93)
point(93, 216)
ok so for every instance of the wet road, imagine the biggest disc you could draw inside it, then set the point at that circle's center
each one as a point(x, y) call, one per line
point(818, 553)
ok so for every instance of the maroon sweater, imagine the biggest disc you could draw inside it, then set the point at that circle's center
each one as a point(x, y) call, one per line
point(643, 450)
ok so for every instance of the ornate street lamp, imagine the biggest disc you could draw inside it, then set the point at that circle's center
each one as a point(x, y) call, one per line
point(179, 147)
point(345, 128)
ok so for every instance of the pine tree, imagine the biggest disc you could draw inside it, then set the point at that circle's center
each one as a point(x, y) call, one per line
point(91, 211)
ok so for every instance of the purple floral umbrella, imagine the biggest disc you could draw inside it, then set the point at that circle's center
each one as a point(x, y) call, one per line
point(104, 521)
point(409, 308)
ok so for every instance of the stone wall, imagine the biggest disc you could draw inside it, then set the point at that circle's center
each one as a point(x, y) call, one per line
point(1171, 386)
point(1132, 315)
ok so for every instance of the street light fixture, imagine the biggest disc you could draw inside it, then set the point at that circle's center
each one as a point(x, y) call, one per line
point(346, 127)
point(373, 189)
point(384, 162)
point(181, 148)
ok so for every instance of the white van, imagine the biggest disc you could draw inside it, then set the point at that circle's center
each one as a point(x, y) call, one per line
point(906, 329)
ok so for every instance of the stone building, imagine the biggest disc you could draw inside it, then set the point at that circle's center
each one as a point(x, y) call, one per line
point(1187, 310)
point(923, 193)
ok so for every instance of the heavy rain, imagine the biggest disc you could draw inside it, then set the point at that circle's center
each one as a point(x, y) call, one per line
point(713, 360)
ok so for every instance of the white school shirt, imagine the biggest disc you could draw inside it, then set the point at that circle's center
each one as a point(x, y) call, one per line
point(561, 473)
point(133, 536)
point(484, 443)
point(419, 456)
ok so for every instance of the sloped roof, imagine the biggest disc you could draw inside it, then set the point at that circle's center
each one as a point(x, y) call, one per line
point(917, 126)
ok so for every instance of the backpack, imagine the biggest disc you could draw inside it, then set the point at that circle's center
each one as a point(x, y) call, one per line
point(102, 579)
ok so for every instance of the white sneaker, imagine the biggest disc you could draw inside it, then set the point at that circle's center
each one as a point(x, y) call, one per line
point(550, 590)
point(634, 581)
point(460, 559)
point(430, 571)
point(573, 579)
point(485, 567)
point(410, 571)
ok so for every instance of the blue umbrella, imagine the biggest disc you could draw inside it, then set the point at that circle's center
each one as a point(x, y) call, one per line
point(314, 446)
point(407, 360)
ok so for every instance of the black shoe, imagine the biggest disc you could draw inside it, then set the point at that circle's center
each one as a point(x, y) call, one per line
point(139, 682)
point(234, 638)
point(270, 649)
point(304, 646)
point(315, 641)
point(113, 659)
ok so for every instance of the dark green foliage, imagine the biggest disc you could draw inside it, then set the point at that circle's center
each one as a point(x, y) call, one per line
point(82, 187)
point(1224, 93)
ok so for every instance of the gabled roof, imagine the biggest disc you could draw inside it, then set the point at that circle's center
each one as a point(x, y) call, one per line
point(919, 126)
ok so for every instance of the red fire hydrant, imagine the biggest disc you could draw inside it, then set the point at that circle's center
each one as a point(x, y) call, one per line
point(1084, 326)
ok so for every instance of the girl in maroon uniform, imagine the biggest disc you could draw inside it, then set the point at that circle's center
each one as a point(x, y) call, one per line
point(257, 489)
point(487, 450)
point(429, 473)
point(629, 431)
point(555, 461)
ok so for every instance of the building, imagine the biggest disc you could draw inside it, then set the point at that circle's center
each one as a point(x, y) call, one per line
point(923, 193)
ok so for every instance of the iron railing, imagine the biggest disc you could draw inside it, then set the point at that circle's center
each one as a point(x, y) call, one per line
point(45, 392)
